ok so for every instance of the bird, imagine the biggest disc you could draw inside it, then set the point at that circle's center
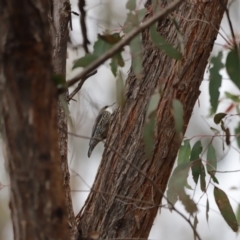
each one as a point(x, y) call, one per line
point(100, 127)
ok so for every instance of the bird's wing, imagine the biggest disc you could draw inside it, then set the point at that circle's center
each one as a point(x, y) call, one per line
point(96, 122)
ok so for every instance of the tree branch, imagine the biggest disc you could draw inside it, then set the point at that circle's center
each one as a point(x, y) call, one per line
point(127, 38)
point(79, 86)
point(81, 5)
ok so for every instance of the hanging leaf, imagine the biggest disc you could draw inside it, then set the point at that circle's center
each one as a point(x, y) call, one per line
point(84, 61)
point(225, 208)
point(237, 132)
point(227, 138)
point(233, 66)
point(207, 210)
point(202, 178)
point(131, 5)
point(215, 80)
point(211, 159)
point(213, 177)
point(216, 131)
point(196, 165)
point(223, 126)
point(184, 152)
point(176, 185)
point(140, 14)
point(136, 52)
point(178, 115)
point(195, 223)
point(162, 44)
point(148, 135)
point(110, 39)
point(116, 61)
point(234, 98)
point(178, 178)
point(189, 204)
point(120, 89)
point(172, 198)
point(196, 151)
point(153, 103)
point(218, 117)
point(131, 22)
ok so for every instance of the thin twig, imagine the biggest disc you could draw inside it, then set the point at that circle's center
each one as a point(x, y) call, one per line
point(127, 38)
point(79, 86)
point(231, 26)
point(81, 5)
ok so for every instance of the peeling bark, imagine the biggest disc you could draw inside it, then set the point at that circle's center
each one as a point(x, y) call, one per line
point(108, 215)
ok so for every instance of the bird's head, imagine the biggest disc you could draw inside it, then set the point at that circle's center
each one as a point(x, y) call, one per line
point(109, 108)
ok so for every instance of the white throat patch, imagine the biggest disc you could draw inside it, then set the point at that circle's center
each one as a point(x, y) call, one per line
point(109, 109)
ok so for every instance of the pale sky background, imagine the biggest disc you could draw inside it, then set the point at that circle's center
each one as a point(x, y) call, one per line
point(99, 91)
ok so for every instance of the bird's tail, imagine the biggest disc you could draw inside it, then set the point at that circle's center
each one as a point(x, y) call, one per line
point(92, 144)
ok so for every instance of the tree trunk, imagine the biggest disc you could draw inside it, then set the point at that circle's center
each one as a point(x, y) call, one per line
point(29, 110)
point(61, 13)
point(110, 210)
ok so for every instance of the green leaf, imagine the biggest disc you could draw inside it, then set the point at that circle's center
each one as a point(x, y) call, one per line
point(59, 80)
point(178, 115)
point(136, 52)
point(234, 98)
point(227, 137)
point(84, 61)
point(195, 223)
point(202, 178)
point(105, 43)
point(116, 61)
point(216, 131)
point(225, 208)
point(120, 89)
point(141, 13)
point(162, 44)
point(100, 47)
point(196, 151)
point(111, 39)
point(179, 177)
point(148, 135)
point(207, 210)
point(184, 152)
point(131, 22)
point(172, 198)
point(233, 66)
point(114, 66)
point(196, 165)
point(213, 177)
point(211, 159)
point(188, 203)
point(176, 184)
point(131, 5)
point(153, 103)
point(215, 80)
point(218, 117)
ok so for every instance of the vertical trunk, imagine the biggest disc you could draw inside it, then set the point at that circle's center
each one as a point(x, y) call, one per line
point(61, 11)
point(112, 215)
point(29, 111)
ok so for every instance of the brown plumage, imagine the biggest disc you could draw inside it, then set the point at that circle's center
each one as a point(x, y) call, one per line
point(100, 128)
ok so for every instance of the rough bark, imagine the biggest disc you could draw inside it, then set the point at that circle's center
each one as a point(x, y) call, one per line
point(61, 12)
point(29, 111)
point(108, 215)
